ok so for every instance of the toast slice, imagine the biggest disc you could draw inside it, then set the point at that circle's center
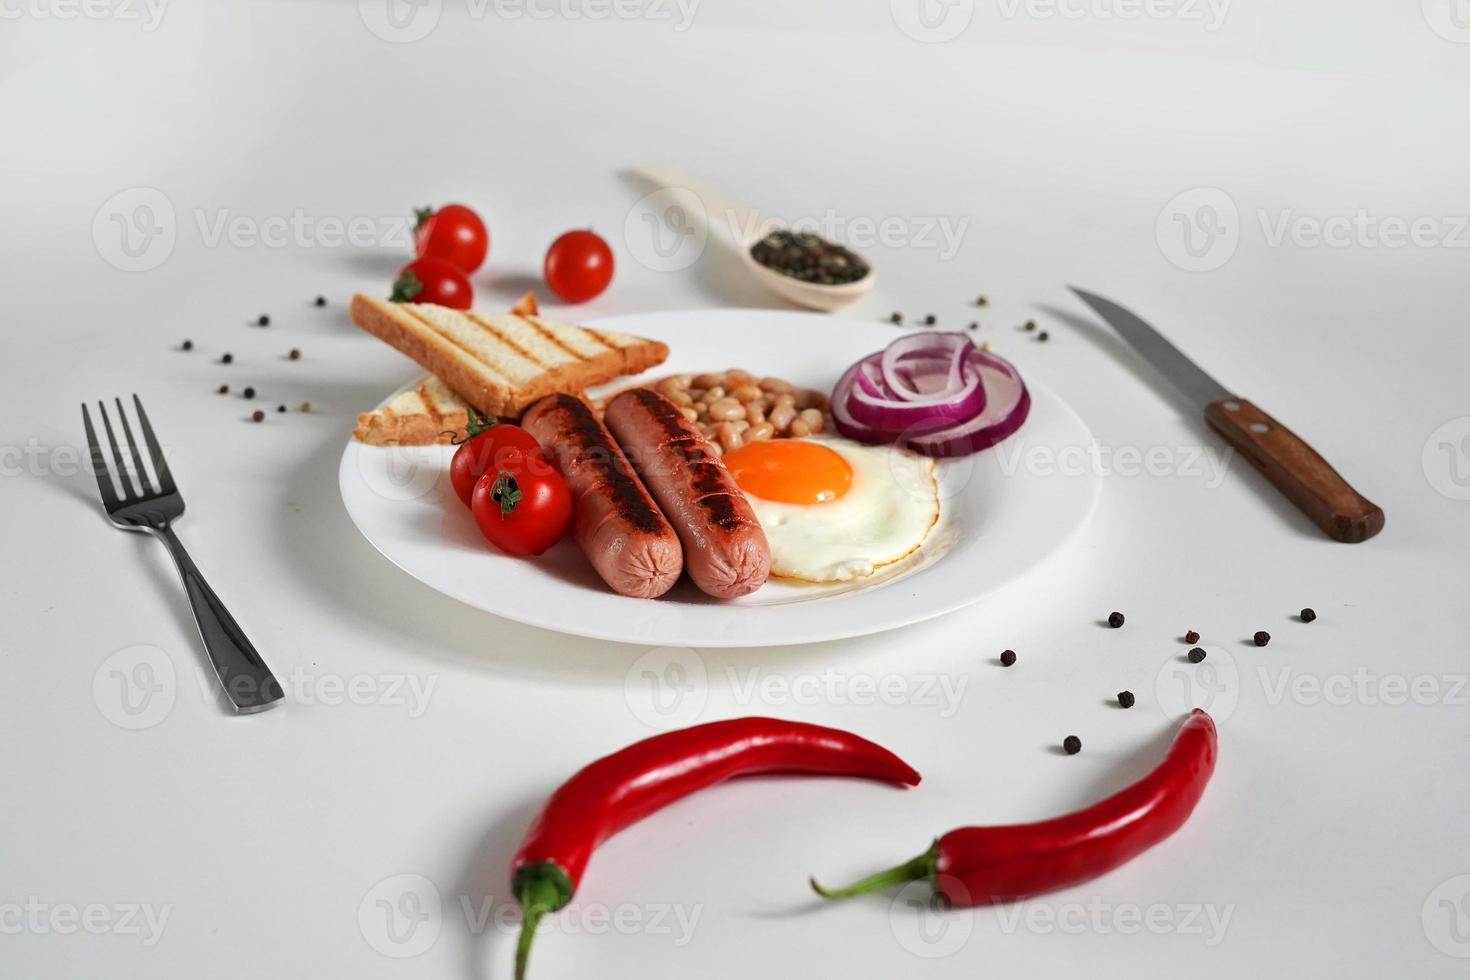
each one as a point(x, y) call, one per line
point(501, 363)
point(421, 415)
point(427, 411)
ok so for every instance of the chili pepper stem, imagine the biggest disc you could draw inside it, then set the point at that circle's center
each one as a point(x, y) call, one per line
point(922, 868)
point(536, 900)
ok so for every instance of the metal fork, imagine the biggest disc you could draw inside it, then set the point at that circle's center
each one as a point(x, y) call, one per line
point(247, 681)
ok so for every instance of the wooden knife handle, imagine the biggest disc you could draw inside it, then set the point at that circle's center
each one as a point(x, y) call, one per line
point(1306, 479)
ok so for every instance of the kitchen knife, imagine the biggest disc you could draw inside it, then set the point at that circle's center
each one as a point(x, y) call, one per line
point(1296, 469)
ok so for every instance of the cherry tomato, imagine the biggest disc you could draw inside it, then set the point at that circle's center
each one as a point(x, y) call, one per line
point(431, 280)
point(579, 265)
point(453, 233)
point(523, 507)
point(489, 447)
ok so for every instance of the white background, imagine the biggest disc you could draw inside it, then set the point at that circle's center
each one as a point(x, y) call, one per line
point(1331, 842)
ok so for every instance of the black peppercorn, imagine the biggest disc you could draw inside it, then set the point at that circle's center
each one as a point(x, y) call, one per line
point(280, 408)
point(1196, 655)
point(1191, 637)
point(224, 389)
point(248, 392)
point(306, 406)
point(1029, 325)
point(1262, 638)
point(981, 301)
point(1071, 745)
point(226, 358)
point(295, 354)
point(263, 321)
point(1115, 619)
point(1043, 336)
point(1126, 699)
point(974, 326)
point(930, 320)
point(258, 416)
point(321, 301)
point(895, 317)
point(1308, 614)
point(1007, 658)
point(187, 345)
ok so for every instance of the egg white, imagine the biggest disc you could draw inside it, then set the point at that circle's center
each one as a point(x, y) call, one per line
point(887, 512)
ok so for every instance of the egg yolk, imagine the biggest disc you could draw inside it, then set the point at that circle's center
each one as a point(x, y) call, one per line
point(789, 471)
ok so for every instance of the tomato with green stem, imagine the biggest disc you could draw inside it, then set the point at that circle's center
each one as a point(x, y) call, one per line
point(489, 443)
point(453, 233)
point(524, 506)
point(430, 280)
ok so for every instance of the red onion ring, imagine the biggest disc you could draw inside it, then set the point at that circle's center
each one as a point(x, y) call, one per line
point(937, 394)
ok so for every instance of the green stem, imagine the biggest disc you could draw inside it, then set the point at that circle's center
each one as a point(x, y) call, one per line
point(540, 888)
point(922, 868)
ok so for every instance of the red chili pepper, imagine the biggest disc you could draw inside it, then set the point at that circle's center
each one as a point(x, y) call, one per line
point(975, 865)
point(622, 788)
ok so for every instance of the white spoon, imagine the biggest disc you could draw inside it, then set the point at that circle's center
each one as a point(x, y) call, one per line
point(742, 228)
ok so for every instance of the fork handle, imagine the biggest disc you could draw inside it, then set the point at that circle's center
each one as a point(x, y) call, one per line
point(247, 681)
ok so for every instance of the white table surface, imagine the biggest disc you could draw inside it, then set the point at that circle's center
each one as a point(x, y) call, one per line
point(421, 734)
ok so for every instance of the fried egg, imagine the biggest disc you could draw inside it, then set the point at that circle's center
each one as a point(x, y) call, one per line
point(835, 510)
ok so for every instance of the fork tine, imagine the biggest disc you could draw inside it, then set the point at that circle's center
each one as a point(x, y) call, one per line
point(155, 451)
point(99, 465)
point(144, 484)
point(122, 470)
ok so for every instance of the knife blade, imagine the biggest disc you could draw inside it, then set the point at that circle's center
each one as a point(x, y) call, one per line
point(1292, 466)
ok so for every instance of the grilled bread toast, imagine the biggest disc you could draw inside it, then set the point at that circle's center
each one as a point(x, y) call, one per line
point(422, 414)
point(501, 363)
point(427, 411)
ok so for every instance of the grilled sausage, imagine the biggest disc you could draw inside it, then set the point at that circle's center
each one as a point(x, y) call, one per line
point(616, 522)
point(725, 550)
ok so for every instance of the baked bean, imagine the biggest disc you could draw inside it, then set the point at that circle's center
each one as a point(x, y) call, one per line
point(760, 432)
point(729, 437)
point(740, 425)
point(714, 393)
point(813, 419)
point(726, 410)
point(777, 385)
point(689, 413)
point(799, 428)
point(707, 380)
point(746, 393)
point(781, 417)
point(755, 413)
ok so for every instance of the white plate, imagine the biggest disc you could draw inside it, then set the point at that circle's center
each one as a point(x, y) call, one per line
point(1002, 511)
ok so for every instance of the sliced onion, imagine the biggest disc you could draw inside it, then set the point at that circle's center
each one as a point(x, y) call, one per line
point(935, 393)
point(932, 345)
point(1005, 411)
point(885, 412)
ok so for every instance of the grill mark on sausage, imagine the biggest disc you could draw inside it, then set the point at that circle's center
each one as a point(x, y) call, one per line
point(594, 447)
point(709, 476)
